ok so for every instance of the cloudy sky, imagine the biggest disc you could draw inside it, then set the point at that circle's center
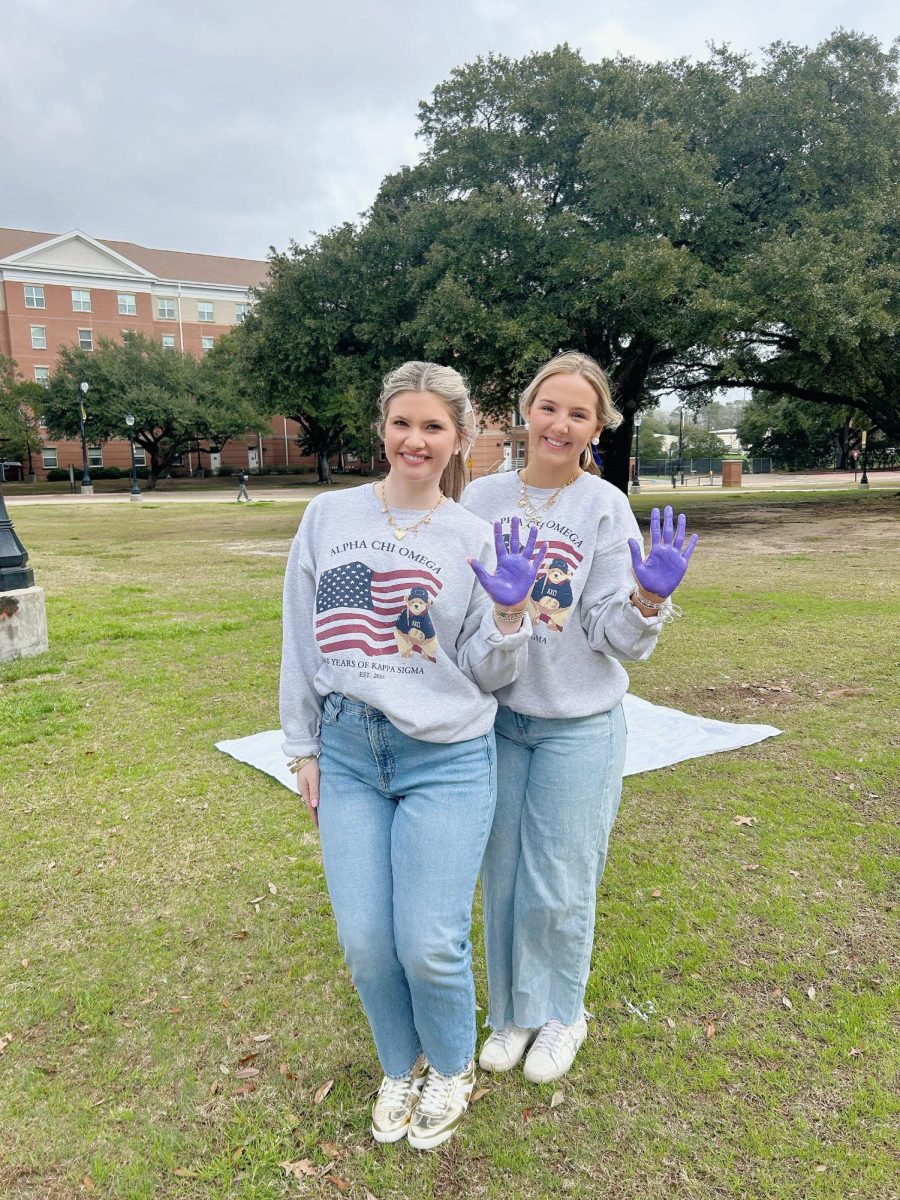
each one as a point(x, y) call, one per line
point(229, 127)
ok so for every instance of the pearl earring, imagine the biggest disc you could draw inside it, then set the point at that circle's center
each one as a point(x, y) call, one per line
point(595, 441)
point(527, 424)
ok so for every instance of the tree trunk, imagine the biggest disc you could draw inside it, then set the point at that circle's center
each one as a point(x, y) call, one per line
point(323, 467)
point(616, 450)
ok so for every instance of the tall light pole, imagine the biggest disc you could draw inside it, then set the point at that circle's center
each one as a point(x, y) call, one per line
point(15, 572)
point(87, 488)
point(680, 440)
point(636, 477)
point(135, 486)
point(864, 479)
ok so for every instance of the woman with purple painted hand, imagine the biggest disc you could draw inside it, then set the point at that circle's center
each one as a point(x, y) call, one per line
point(391, 650)
point(596, 603)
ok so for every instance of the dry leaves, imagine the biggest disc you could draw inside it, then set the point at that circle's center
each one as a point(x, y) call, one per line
point(261, 1037)
point(750, 867)
point(557, 1098)
point(478, 1093)
point(285, 1070)
point(786, 1002)
point(670, 1022)
point(184, 1173)
point(710, 1031)
point(323, 1091)
point(4, 1041)
point(245, 1089)
point(300, 1169)
point(87, 1183)
point(341, 1184)
point(330, 1149)
point(656, 893)
point(247, 1073)
point(811, 992)
point(743, 821)
point(240, 935)
point(273, 890)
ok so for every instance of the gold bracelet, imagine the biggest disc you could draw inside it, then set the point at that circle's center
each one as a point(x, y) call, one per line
point(298, 763)
point(507, 615)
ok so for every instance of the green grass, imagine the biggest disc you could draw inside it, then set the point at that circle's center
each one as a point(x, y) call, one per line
point(137, 971)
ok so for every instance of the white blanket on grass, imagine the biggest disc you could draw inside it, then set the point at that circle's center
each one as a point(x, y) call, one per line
point(657, 737)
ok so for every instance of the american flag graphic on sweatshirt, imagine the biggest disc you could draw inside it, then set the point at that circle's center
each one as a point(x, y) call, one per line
point(357, 608)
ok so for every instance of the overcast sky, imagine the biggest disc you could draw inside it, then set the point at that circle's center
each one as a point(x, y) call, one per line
point(229, 127)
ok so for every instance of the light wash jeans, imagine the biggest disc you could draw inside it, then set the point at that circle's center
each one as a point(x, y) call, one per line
point(559, 784)
point(403, 825)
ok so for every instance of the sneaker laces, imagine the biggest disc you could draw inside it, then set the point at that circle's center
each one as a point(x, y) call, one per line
point(437, 1093)
point(503, 1037)
point(552, 1036)
point(395, 1091)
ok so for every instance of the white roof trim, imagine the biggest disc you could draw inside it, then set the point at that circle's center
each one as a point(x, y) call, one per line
point(73, 235)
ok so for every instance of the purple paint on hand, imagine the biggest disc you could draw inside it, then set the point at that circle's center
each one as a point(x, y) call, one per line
point(664, 567)
point(517, 567)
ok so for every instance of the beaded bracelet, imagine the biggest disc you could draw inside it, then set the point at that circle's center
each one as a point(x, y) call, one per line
point(508, 616)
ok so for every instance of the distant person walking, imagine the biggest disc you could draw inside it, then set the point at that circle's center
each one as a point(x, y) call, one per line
point(242, 487)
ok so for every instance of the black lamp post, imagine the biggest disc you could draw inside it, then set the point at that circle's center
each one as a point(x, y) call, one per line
point(87, 488)
point(864, 480)
point(15, 573)
point(135, 486)
point(636, 477)
point(680, 441)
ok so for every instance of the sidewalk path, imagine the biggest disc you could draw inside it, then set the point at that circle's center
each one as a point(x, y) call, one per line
point(774, 482)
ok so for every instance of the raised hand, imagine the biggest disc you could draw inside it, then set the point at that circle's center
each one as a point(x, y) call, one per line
point(517, 567)
point(663, 569)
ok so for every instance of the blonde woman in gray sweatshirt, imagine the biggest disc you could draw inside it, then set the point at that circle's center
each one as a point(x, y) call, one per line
point(595, 604)
point(392, 648)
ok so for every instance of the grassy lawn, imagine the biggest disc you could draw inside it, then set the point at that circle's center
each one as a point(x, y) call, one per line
point(172, 997)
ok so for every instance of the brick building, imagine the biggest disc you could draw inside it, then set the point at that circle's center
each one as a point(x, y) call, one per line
point(73, 289)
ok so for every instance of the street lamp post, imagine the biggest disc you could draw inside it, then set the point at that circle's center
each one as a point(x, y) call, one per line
point(680, 441)
point(87, 488)
point(135, 486)
point(636, 477)
point(15, 572)
point(864, 479)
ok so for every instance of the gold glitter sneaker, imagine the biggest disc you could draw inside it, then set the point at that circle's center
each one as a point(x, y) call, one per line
point(396, 1101)
point(441, 1107)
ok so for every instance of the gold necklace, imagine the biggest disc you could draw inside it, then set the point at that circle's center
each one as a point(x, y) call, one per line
point(534, 514)
point(400, 531)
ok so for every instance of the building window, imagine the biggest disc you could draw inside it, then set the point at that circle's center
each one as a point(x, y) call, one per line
point(177, 460)
point(85, 339)
point(42, 376)
point(240, 311)
point(207, 343)
point(95, 456)
point(165, 310)
point(520, 454)
point(34, 297)
point(39, 337)
point(518, 419)
point(49, 457)
point(168, 341)
point(81, 300)
point(140, 456)
point(127, 305)
point(205, 311)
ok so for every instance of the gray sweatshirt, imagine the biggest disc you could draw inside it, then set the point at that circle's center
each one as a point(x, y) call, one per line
point(402, 625)
point(584, 623)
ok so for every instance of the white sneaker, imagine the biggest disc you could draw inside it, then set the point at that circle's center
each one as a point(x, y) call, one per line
point(395, 1103)
point(441, 1107)
point(554, 1050)
point(505, 1047)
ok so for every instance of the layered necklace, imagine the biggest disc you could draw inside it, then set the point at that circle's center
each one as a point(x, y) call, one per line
point(534, 514)
point(400, 531)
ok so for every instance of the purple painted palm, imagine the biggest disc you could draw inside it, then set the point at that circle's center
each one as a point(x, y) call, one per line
point(664, 567)
point(517, 567)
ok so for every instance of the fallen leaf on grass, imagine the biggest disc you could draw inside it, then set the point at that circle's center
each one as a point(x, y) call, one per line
point(743, 820)
point(478, 1093)
point(224, 1068)
point(247, 1073)
point(256, 900)
point(710, 1032)
point(237, 1153)
point(526, 1114)
point(245, 1089)
point(670, 1022)
point(341, 1184)
point(285, 1070)
point(87, 1183)
point(656, 893)
point(299, 1169)
point(367, 1195)
point(811, 992)
point(4, 1041)
point(176, 1010)
point(854, 1051)
point(248, 1058)
point(786, 1002)
point(330, 1149)
point(25, 963)
point(796, 874)
point(821, 1168)
point(240, 935)
point(273, 889)
point(750, 867)
point(261, 1037)
point(184, 1173)
point(557, 1098)
point(323, 1091)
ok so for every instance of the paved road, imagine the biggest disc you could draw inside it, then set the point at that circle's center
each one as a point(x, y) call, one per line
point(775, 482)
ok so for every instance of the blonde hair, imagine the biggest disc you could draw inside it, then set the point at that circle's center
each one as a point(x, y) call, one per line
point(573, 362)
point(450, 386)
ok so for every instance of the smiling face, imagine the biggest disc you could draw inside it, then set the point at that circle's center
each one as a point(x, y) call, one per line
point(419, 436)
point(562, 420)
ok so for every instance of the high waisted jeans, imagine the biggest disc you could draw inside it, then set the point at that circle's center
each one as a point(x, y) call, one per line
point(559, 784)
point(403, 825)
